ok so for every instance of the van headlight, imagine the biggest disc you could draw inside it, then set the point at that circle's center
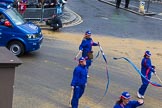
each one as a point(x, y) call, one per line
point(31, 36)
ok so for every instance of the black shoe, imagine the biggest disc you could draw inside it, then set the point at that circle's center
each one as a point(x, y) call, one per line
point(117, 7)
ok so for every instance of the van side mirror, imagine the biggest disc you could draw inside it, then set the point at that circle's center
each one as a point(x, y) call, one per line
point(7, 23)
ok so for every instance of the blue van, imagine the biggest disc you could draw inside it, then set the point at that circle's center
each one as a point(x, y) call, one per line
point(16, 34)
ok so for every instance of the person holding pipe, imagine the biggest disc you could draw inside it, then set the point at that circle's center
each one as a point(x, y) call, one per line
point(146, 69)
point(78, 82)
point(86, 48)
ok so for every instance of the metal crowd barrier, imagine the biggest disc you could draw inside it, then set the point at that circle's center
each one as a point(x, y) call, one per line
point(38, 14)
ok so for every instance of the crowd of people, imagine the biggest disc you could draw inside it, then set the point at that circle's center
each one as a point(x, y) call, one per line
point(39, 3)
point(80, 75)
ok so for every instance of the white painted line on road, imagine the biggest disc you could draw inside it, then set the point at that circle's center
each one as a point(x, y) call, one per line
point(151, 16)
point(105, 18)
point(79, 20)
point(160, 14)
point(154, 18)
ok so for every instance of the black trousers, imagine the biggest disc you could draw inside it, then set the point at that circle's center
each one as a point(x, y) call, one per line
point(126, 3)
point(56, 23)
point(119, 1)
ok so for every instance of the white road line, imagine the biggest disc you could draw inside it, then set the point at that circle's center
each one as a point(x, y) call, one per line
point(160, 14)
point(154, 18)
point(105, 18)
point(79, 20)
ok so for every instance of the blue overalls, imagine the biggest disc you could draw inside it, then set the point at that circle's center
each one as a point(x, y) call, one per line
point(146, 70)
point(79, 81)
point(86, 47)
point(131, 104)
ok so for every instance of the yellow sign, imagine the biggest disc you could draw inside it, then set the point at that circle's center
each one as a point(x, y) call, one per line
point(142, 7)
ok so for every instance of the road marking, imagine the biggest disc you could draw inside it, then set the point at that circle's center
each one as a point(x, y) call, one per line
point(154, 18)
point(160, 14)
point(105, 18)
point(79, 20)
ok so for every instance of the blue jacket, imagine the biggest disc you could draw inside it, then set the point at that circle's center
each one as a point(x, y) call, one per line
point(131, 104)
point(146, 67)
point(86, 46)
point(79, 76)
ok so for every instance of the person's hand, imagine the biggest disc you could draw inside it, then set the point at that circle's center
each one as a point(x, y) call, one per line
point(45, 4)
point(155, 73)
point(86, 84)
point(153, 67)
point(75, 58)
point(72, 87)
point(86, 58)
point(52, 4)
point(140, 101)
point(98, 44)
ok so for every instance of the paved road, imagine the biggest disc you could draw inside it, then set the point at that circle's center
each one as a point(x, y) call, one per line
point(104, 19)
point(152, 9)
point(43, 80)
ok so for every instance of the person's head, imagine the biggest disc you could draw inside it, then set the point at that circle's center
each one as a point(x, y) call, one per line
point(82, 61)
point(87, 34)
point(147, 54)
point(125, 97)
point(54, 15)
point(7, 23)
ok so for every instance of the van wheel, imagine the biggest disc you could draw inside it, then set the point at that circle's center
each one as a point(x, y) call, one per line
point(16, 47)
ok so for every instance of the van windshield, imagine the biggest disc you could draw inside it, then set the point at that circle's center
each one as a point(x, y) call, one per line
point(15, 16)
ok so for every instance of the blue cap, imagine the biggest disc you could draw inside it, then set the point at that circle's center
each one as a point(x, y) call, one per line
point(88, 33)
point(125, 95)
point(81, 59)
point(148, 53)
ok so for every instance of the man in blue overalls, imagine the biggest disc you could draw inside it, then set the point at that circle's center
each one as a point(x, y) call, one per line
point(146, 69)
point(78, 82)
point(86, 48)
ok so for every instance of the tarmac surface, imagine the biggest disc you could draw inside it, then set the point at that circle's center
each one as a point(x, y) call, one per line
point(70, 18)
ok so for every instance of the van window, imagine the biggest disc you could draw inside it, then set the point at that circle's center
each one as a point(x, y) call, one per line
point(2, 19)
point(15, 16)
